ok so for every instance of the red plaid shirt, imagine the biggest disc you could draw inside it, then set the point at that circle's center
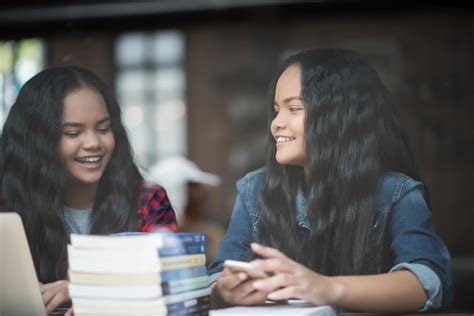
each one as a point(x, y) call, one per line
point(155, 210)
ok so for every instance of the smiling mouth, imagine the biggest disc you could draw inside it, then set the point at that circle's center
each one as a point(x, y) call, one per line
point(89, 160)
point(283, 139)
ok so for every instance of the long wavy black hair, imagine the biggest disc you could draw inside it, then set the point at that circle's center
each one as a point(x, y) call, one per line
point(33, 178)
point(352, 136)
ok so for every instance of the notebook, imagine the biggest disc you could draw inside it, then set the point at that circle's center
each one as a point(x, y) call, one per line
point(294, 307)
point(19, 290)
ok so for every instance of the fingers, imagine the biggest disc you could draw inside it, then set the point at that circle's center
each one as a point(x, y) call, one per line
point(276, 262)
point(229, 280)
point(55, 294)
point(271, 284)
point(52, 285)
point(254, 298)
point(230, 290)
point(57, 300)
point(236, 293)
point(231, 287)
point(284, 294)
point(266, 252)
point(69, 312)
point(278, 265)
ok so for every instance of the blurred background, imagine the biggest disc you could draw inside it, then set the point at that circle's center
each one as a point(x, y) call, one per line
point(192, 79)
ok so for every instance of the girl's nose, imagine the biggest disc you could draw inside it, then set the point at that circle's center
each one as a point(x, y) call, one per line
point(278, 122)
point(92, 142)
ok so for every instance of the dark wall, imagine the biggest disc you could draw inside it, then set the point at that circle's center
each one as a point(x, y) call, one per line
point(90, 50)
point(424, 59)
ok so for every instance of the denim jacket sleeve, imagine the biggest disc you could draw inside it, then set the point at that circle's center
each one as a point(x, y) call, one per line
point(236, 243)
point(416, 245)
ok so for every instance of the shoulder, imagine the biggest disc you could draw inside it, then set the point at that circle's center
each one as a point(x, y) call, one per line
point(149, 187)
point(151, 192)
point(251, 182)
point(155, 208)
point(393, 186)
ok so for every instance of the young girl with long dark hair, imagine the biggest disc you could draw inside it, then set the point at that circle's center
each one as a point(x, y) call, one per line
point(66, 166)
point(339, 215)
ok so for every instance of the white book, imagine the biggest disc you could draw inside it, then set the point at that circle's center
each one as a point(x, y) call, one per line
point(120, 314)
point(154, 240)
point(114, 307)
point(114, 292)
point(114, 279)
point(114, 261)
point(296, 307)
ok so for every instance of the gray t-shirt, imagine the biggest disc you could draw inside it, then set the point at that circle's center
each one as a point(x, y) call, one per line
point(78, 220)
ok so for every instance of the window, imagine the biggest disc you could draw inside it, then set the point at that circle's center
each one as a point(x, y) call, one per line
point(150, 87)
point(19, 61)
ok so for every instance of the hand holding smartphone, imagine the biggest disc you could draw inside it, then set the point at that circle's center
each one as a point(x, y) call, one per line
point(246, 267)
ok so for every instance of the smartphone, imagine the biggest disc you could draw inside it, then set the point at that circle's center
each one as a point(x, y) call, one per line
point(246, 267)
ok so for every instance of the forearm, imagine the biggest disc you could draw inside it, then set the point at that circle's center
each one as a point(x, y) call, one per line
point(389, 292)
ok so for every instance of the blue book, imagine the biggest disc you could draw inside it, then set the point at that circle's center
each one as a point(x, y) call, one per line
point(182, 249)
point(172, 239)
point(192, 237)
point(184, 285)
point(195, 306)
point(183, 273)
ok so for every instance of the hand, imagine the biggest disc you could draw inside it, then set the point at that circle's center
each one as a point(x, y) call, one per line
point(292, 280)
point(55, 294)
point(235, 288)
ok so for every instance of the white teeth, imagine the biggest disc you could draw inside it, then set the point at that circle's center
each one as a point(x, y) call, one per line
point(282, 139)
point(88, 159)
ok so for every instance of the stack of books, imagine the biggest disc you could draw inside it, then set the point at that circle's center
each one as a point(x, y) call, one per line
point(138, 274)
point(184, 278)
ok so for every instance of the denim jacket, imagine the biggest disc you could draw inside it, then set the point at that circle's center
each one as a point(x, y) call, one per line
point(414, 243)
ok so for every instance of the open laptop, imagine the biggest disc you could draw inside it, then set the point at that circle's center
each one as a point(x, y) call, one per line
point(19, 289)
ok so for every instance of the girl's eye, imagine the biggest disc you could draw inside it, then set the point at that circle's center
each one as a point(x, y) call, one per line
point(295, 109)
point(71, 133)
point(104, 129)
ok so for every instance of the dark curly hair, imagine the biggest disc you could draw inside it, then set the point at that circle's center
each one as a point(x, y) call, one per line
point(33, 178)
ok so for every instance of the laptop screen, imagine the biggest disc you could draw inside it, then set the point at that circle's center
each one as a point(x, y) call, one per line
point(19, 289)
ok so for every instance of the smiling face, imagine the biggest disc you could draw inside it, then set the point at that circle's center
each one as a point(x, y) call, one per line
point(87, 140)
point(288, 126)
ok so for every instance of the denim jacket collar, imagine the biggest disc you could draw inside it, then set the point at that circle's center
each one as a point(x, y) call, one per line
point(301, 217)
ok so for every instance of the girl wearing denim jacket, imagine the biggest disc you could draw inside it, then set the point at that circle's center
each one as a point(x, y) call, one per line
point(339, 215)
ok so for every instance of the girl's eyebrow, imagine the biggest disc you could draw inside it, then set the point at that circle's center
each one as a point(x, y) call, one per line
point(104, 120)
point(77, 124)
point(289, 99)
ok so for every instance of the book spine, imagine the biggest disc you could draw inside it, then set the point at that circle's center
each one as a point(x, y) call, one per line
point(178, 286)
point(185, 249)
point(99, 260)
point(185, 296)
point(180, 262)
point(170, 238)
point(195, 310)
point(114, 292)
point(203, 302)
point(198, 310)
point(183, 273)
point(192, 237)
point(117, 241)
point(114, 279)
